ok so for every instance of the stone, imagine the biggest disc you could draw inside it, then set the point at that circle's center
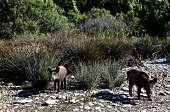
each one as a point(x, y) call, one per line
point(87, 107)
point(144, 110)
point(90, 103)
point(167, 92)
point(125, 89)
point(73, 101)
point(161, 93)
point(2, 106)
point(53, 97)
point(50, 102)
point(76, 109)
point(127, 105)
point(97, 108)
point(24, 101)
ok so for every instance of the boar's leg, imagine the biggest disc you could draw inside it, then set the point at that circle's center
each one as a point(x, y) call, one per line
point(64, 83)
point(55, 85)
point(148, 93)
point(139, 91)
point(130, 87)
point(59, 86)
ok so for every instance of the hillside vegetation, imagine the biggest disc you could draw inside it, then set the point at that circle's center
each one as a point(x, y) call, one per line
point(93, 39)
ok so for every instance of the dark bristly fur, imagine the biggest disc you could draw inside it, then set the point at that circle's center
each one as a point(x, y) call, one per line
point(141, 80)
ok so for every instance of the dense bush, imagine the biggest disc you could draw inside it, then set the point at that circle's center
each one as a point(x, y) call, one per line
point(100, 23)
point(152, 17)
point(116, 48)
point(149, 48)
point(30, 16)
point(27, 62)
point(99, 74)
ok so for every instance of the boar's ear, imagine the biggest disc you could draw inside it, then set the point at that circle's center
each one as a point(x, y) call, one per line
point(154, 80)
point(49, 69)
point(57, 69)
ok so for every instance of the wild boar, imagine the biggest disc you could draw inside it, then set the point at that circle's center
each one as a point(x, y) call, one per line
point(58, 74)
point(141, 80)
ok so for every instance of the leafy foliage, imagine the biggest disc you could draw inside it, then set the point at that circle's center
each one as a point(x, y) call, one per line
point(100, 23)
point(30, 16)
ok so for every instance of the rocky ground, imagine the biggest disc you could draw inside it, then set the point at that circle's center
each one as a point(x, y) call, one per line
point(15, 99)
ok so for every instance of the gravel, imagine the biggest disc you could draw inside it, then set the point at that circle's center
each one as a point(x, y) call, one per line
point(16, 99)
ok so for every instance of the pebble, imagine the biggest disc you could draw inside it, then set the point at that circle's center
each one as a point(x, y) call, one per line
point(87, 107)
point(125, 89)
point(24, 101)
point(144, 110)
point(167, 92)
point(76, 109)
point(162, 93)
point(2, 106)
point(50, 102)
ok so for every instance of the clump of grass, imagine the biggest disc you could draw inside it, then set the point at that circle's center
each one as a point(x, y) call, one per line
point(99, 74)
point(80, 49)
point(116, 48)
point(27, 62)
point(143, 48)
point(110, 74)
point(87, 76)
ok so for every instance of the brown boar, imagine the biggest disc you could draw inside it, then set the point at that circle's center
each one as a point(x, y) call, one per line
point(141, 80)
point(58, 74)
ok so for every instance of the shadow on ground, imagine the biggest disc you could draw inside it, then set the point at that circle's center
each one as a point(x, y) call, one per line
point(116, 98)
point(162, 62)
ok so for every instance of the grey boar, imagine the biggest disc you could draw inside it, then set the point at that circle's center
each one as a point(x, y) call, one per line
point(58, 74)
point(141, 80)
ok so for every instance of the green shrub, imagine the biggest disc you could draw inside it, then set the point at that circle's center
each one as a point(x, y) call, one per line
point(116, 48)
point(144, 48)
point(30, 16)
point(101, 23)
point(87, 76)
point(99, 74)
point(82, 49)
point(110, 74)
point(27, 62)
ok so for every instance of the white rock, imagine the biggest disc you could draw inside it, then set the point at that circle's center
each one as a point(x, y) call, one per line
point(76, 109)
point(127, 105)
point(144, 110)
point(167, 92)
point(2, 106)
point(97, 108)
point(24, 101)
point(109, 106)
point(73, 101)
point(50, 102)
point(125, 89)
point(143, 94)
point(53, 97)
point(91, 104)
point(81, 107)
point(161, 93)
point(72, 77)
point(76, 94)
point(87, 107)
point(36, 98)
